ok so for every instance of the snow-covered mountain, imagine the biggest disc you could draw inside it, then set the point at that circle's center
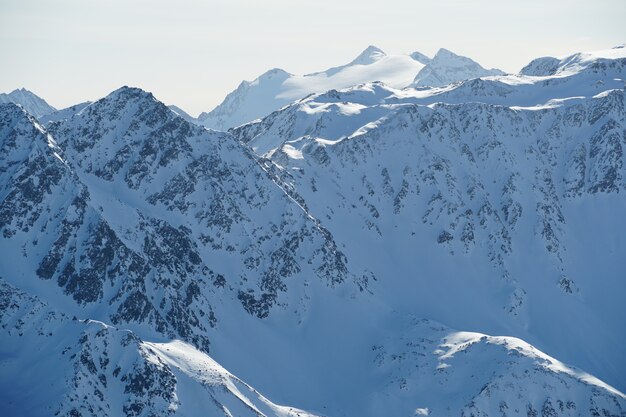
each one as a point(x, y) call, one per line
point(34, 104)
point(446, 67)
point(182, 113)
point(151, 220)
point(277, 88)
point(572, 64)
point(477, 196)
point(361, 252)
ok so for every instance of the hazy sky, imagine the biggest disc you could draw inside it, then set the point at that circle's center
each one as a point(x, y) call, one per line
point(193, 52)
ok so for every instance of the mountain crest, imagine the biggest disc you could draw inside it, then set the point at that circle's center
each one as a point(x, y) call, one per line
point(273, 74)
point(420, 57)
point(447, 67)
point(369, 55)
point(446, 53)
point(126, 93)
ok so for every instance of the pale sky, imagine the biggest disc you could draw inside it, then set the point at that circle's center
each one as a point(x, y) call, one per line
point(193, 52)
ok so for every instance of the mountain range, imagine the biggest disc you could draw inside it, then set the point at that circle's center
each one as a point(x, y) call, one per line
point(397, 236)
point(277, 88)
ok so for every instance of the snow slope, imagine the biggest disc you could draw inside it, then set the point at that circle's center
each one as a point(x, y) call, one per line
point(33, 104)
point(277, 88)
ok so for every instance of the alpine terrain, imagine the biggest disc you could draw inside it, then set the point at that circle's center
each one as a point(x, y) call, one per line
point(398, 236)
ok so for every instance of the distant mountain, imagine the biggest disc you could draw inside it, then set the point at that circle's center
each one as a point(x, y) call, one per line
point(276, 88)
point(571, 64)
point(182, 113)
point(33, 104)
point(447, 67)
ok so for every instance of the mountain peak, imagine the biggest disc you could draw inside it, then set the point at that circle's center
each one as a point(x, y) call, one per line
point(126, 95)
point(369, 55)
point(446, 54)
point(446, 67)
point(125, 92)
point(21, 90)
point(274, 73)
point(30, 101)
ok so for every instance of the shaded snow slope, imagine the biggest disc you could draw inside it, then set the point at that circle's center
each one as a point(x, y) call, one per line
point(54, 364)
